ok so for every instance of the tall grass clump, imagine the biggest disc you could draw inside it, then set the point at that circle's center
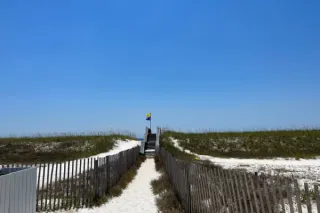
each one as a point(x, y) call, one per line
point(303, 143)
point(57, 147)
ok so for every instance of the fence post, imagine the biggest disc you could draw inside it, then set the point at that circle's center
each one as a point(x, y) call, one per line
point(157, 140)
point(186, 168)
point(96, 185)
point(108, 174)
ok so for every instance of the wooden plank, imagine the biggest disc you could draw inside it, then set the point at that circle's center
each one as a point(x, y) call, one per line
point(96, 179)
point(259, 190)
point(60, 185)
point(289, 194)
point(222, 193)
point(254, 191)
point(108, 173)
point(80, 185)
point(47, 186)
point(104, 176)
point(228, 190)
point(193, 183)
point(297, 195)
point(234, 202)
point(278, 186)
point(85, 188)
point(188, 188)
point(106, 180)
point(242, 189)
point(55, 187)
point(42, 186)
point(212, 190)
point(63, 202)
point(267, 195)
point(203, 186)
point(238, 189)
point(308, 202)
point(38, 187)
point(67, 186)
point(232, 191)
point(91, 181)
point(88, 186)
point(71, 184)
point(76, 183)
point(249, 197)
point(51, 177)
point(274, 194)
point(84, 183)
point(316, 192)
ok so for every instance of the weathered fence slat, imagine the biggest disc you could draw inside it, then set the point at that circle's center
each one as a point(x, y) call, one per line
point(234, 196)
point(308, 202)
point(254, 190)
point(63, 202)
point(67, 186)
point(289, 195)
point(316, 192)
point(90, 182)
point(280, 190)
point(42, 186)
point(247, 189)
point(50, 187)
point(108, 173)
point(60, 185)
point(297, 195)
point(238, 189)
point(55, 186)
point(274, 195)
point(96, 179)
point(71, 184)
point(46, 189)
point(38, 166)
point(267, 195)
point(259, 190)
point(80, 185)
point(222, 192)
point(83, 191)
point(77, 182)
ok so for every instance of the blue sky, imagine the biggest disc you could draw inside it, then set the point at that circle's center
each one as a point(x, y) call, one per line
point(100, 65)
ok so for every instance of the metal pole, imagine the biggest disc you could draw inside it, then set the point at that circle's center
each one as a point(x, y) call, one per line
point(150, 121)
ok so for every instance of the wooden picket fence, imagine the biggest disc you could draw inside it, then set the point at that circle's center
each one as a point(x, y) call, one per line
point(206, 188)
point(79, 183)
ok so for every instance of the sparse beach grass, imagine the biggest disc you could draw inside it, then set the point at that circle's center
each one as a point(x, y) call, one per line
point(303, 143)
point(57, 147)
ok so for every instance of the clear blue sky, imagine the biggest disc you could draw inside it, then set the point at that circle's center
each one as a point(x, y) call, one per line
point(100, 65)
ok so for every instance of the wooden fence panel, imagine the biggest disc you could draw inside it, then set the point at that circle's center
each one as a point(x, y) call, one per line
point(202, 188)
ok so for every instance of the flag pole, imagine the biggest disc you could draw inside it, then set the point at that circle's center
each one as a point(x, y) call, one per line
point(150, 121)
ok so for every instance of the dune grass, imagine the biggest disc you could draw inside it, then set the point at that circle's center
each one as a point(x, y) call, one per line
point(166, 143)
point(256, 144)
point(57, 147)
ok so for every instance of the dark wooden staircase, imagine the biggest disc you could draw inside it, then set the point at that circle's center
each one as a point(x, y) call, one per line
point(150, 145)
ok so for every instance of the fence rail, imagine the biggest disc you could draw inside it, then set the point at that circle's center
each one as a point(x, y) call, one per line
point(206, 188)
point(78, 183)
